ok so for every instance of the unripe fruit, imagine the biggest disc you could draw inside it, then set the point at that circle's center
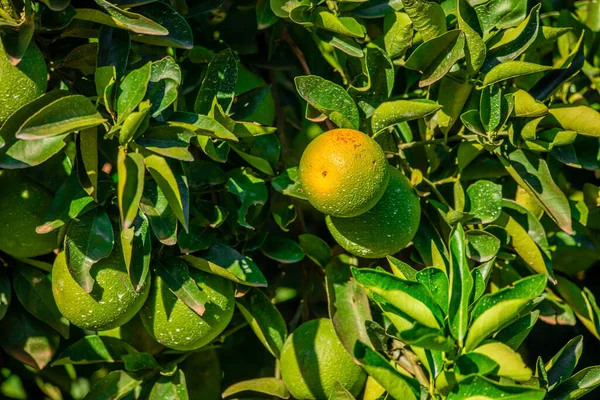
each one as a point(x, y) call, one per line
point(386, 228)
point(343, 173)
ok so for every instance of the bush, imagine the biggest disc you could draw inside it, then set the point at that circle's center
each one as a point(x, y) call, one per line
point(157, 165)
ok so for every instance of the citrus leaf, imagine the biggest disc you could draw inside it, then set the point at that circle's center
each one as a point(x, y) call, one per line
point(479, 387)
point(201, 124)
point(514, 334)
point(510, 364)
point(485, 201)
point(114, 385)
point(171, 178)
point(533, 175)
point(435, 57)
point(578, 385)
point(512, 69)
point(120, 18)
point(266, 386)
point(229, 264)
point(113, 48)
point(168, 141)
point(562, 365)
point(339, 392)
point(137, 247)
point(64, 115)
point(412, 298)
point(427, 16)
point(264, 319)
point(398, 30)
point(460, 285)
point(527, 106)
point(281, 249)
point(175, 274)
point(469, 24)
point(94, 349)
point(582, 301)
point(329, 99)
point(170, 387)
point(33, 288)
point(452, 98)
point(315, 248)
point(179, 34)
point(5, 293)
point(26, 338)
point(250, 189)
point(392, 113)
point(218, 84)
point(495, 311)
point(402, 270)
point(325, 19)
point(582, 119)
point(348, 304)
point(87, 241)
point(396, 384)
point(132, 90)
point(162, 220)
point(130, 169)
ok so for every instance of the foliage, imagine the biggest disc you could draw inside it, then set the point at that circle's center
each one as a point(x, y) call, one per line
point(174, 130)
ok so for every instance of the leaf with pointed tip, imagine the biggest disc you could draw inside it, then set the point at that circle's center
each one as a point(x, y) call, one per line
point(392, 113)
point(87, 241)
point(514, 334)
point(315, 248)
point(175, 274)
point(510, 364)
point(469, 24)
point(137, 247)
point(436, 281)
point(264, 319)
point(130, 169)
point(114, 385)
point(477, 387)
point(93, 349)
point(250, 189)
point(512, 69)
point(171, 178)
point(218, 84)
point(266, 386)
point(402, 269)
point(427, 17)
point(562, 365)
point(179, 34)
point(460, 285)
point(162, 220)
point(578, 385)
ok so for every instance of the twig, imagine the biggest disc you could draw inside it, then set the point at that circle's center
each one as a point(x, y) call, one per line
point(299, 55)
point(436, 191)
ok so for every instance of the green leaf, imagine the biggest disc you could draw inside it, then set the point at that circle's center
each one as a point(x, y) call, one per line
point(162, 219)
point(170, 387)
point(427, 16)
point(510, 364)
point(137, 246)
point(120, 18)
point(175, 274)
point(512, 69)
point(250, 189)
point(288, 183)
point(219, 83)
point(168, 141)
point(64, 115)
point(132, 90)
point(171, 179)
point(452, 97)
point(5, 293)
point(514, 334)
point(87, 241)
point(402, 270)
point(500, 14)
point(482, 245)
point(379, 73)
point(94, 349)
point(348, 304)
point(33, 288)
point(87, 161)
point(340, 393)
point(435, 57)
point(532, 174)
point(130, 169)
point(26, 338)
point(469, 24)
point(28, 153)
point(325, 19)
point(264, 319)
point(315, 248)
point(412, 298)
point(229, 264)
point(165, 77)
point(113, 49)
point(578, 385)
point(201, 124)
point(282, 250)
point(485, 201)
point(460, 285)
point(70, 200)
point(562, 365)
point(582, 119)
point(179, 32)
point(514, 42)
point(266, 386)
point(396, 384)
point(329, 99)
point(495, 311)
point(436, 281)
point(582, 301)
point(490, 108)
point(392, 113)
point(114, 385)
point(477, 387)
point(398, 30)
point(527, 106)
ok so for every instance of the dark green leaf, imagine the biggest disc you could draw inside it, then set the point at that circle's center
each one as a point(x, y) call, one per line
point(219, 83)
point(161, 217)
point(176, 276)
point(427, 16)
point(179, 32)
point(130, 169)
point(251, 191)
point(578, 385)
point(170, 387)
point(115, 385)
point(94, 349)
point(132, 90)
point(460, 285)
point(282, 250)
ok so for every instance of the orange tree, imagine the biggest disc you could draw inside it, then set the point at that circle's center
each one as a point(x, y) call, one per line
point(157, 235)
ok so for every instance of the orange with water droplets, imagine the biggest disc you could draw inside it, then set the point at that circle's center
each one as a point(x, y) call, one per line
point(343, 173)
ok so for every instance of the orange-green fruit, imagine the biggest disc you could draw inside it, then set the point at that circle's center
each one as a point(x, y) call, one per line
point(23, 204)
point(264, 113)
point(173, 324)
point(112, 302)
point(21, 83)
point(385, 229)
point(202, 372)
point(343, 173)
point(134, 333)
point(313, 359)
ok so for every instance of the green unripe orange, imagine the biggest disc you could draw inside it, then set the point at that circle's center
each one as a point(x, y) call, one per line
point(23, 204)
point(313, 360)
point(343, 173)
point(113, 300)
point(21, 83)
point(386, 228)
point(173, 324)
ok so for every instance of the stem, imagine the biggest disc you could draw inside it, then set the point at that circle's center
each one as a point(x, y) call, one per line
point(436, 191)
point(418, 371)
